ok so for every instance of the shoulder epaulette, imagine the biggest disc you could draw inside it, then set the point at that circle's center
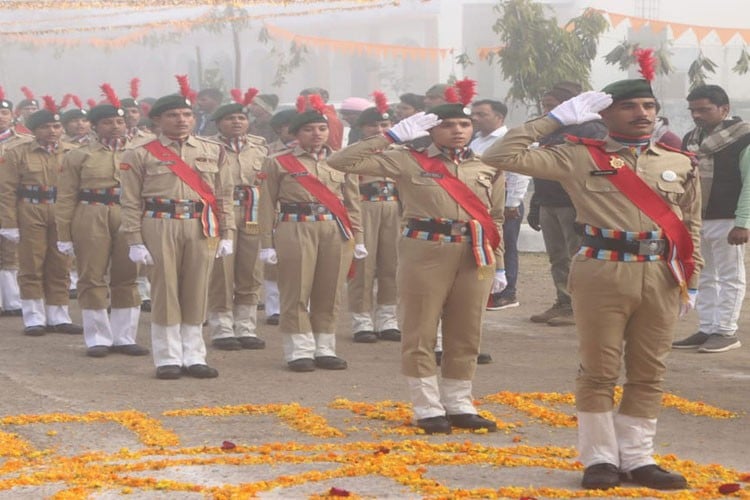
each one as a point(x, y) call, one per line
point(256, 139)
point(675, 150)
point(587, 141)
point(209, 140)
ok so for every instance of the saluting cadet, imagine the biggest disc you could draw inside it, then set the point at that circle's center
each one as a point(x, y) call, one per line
point(449, 256)
point(88, 225)
point(176, 203)
point(11, 296)
point(381, 222)
point(235, 281)
point(28, 191)
point(318, 222)
point(639, 203)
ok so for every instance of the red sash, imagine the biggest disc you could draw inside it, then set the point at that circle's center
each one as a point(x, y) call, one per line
point(654, 206)
point(315, 187)
point(461, 193)
point(192, 179)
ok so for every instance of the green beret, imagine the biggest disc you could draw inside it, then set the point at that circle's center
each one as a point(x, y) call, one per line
point(629, 89)
point(451, 110)
point(41, 117)
point(283, 117)
point(228, 109)
point(302, 119)
point(28, 102)
point(104, 111)
point(169, 102)
point(6, 104)
point(73, 114)
point(128, 102)
point(372, 115)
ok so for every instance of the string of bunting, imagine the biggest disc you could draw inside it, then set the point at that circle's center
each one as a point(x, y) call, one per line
point(141, 4)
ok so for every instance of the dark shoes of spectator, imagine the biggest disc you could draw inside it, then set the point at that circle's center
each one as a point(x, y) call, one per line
point(227, 344)
point(34, 331)
point(330, 363)
point(435, 425)
point(97, 351)
point(252, 342)
point(11, 312)
point(168, 372)
point(653, 476)
point(471, 421)
point(202, 371)
point(600, 477)
point(556, 310)
point(365, 337)
point(302, 365)
point(273, 319)
point(69, 328)
point(496, 302)
point(692, 342)
point(484, 358)
point(391, 334)
point(130, 349)
point(146, 306)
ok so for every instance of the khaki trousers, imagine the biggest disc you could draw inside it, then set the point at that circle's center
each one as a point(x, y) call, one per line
point(43, 270)
point(314, 259)
point(182, 264)
point(440, 281)
point(100, 248)
point(381, 224)
point(8, 255)
point(624, 311)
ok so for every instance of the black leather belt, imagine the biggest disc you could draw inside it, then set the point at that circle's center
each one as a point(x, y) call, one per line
point(49, 193)
point(374, 189)
point(103, 198)
point(304, 208)
point(637, 247)
point(456, 228)
point(176, 208)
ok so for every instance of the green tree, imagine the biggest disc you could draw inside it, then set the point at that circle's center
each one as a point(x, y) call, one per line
point(536, 52)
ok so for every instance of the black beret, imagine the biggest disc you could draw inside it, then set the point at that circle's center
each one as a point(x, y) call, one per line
point(6, 104)
point(416, 101)
point(302, 119)
point(128, 102)
point(228, 109)
point(169, 102)
point(451, 110)
point(41, 117)
point(283, 117)
point(372, 115)
point(629, 89)
point(73, 114)
point(104, 111)
point(28, 102)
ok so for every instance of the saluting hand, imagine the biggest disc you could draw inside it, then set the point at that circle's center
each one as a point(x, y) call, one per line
point(413, 127)
point(581, 108)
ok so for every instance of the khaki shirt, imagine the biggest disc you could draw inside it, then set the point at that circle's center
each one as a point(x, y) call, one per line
point(93, 166)
point(144, 176)
point(280, 187)
point(420, 195)
point(247, 164)
point(27, 163)
point(597, 201)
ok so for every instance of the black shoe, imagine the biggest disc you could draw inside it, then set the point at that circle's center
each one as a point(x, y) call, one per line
point(146, 306)
point(484, 358)
point(600, 477)
point(68, 328)
point(97, 351)
point(330, 363)
point(252, 342)
point(653, 476)
point(227, 344)
point(472, 421)
point(168, 372)
point(202, 371)
point(438, 357)
point(130, 349)
point(11, 312)
point(34, 331)
point(272, 319)
point(435, 425)
point(302, 365)
point(390, 334)
point(365, 337)
point(72, 294)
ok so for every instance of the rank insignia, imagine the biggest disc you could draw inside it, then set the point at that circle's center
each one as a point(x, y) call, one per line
point(616, 162)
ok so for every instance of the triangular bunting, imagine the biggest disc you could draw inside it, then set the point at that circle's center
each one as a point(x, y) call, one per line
point(678, 29)
point(615, 19)
point(725, 34)
point(636, 23)
point(657, 26)
point(701, 32)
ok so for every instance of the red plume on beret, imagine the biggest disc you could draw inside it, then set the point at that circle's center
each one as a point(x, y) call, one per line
point(301, 104)
point(250, 96)
point(317, 103)
point(185, 89)
point(2, 93)
point(110, 94)
point(135, 84)
point(450, 95)
point(27, 93)
point(65, 100)
point(145, 107)
point(466, 90)
point(381, 101)
point(646, 62)
point(236, 95)
point(91, 102)
point(77, 101)
point(49, 104)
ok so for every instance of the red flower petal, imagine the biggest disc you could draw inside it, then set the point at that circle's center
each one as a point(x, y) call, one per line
point(338, 492)
point(726, 489)
point(228, 445)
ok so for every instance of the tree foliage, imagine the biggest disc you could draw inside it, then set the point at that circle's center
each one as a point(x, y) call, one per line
point(537, 52)
point(623, 56)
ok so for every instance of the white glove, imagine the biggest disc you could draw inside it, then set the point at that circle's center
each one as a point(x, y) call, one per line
point(11, 234)
point(65, 247)
point(360, 252)
point(581, 108)
point(140, 255)
point(226, 247)
point(414, 126)
point(499, 282)
point(690, 305)
point(268, 256)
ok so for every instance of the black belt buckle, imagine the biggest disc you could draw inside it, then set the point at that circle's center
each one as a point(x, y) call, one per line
point(458, 229)
point(317, 208)
point(652, 247)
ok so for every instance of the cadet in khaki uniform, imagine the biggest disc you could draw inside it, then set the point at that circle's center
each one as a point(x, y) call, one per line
point(28, 190)
point(314, 246)
point(381, 222)
point(172, 228)
point(77, 125)
point(442, 272)
point(11, 296)
point(88, 224)
point(236, 279)
point(626, 298)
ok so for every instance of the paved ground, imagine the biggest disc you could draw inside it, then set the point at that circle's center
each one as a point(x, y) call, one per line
point(73, 426)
